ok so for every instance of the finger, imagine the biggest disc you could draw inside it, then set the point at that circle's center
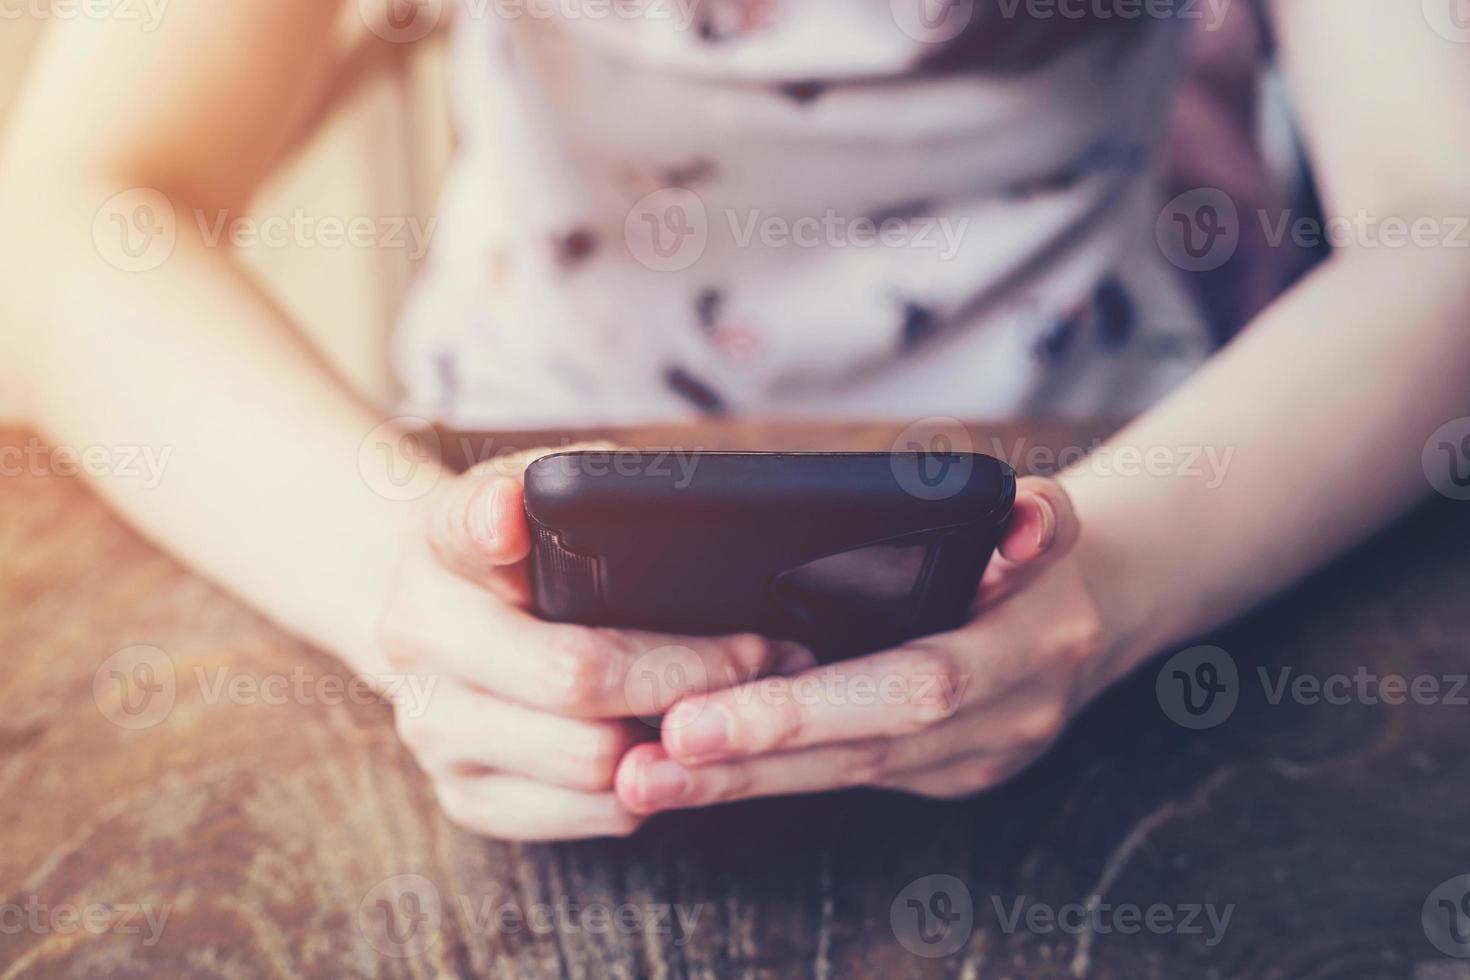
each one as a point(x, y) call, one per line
point(569, 669)
point(649, 780)
point(900, 692)
point(479, 524)
point(517, 809)
point(461, 730)
point(1043, 523)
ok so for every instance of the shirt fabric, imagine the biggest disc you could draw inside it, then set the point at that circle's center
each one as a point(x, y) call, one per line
point(669, 209)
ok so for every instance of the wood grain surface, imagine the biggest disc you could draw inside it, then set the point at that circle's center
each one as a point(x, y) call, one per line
point(158, 825)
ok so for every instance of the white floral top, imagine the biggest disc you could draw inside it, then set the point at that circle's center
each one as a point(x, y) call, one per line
point(671, 208)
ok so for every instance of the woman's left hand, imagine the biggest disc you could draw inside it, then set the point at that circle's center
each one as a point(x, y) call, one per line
point(944, 716)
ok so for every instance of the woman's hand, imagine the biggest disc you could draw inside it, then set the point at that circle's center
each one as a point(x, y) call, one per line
point(944, 716)
point(521, 723)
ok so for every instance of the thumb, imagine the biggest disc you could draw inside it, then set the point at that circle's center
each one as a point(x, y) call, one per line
point(1043, 524)
point(478, 526)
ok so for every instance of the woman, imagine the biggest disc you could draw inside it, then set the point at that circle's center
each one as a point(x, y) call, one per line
point(1028, 135)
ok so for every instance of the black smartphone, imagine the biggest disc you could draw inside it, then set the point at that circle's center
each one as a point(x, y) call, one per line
point(846, 553)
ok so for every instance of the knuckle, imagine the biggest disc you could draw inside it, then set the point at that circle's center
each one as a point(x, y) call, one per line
point(414, 732)
point(977, 776)
point(1042, 724)
point(935, 680)
point(750, 655)
point(968, 780)
point(574, 673)
point(785, 726)
point(590, 762)
point(431, 748)
point(399, 643)
point(866, 763)
point(1078, 638)
point(738, 783)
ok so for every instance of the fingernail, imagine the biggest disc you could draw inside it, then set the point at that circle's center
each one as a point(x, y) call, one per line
point(792, 658)
point(482, 516)
point(661, 783)
point(1048, 528)
point(704, 736)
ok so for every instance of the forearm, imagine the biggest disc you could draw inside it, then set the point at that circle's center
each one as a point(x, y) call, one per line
point(262, 488)
point(1321, 410)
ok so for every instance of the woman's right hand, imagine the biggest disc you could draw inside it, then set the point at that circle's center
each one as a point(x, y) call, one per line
point(521, 723)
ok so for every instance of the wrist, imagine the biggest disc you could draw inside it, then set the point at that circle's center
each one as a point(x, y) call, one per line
point(1133, 603)
point(388, 524)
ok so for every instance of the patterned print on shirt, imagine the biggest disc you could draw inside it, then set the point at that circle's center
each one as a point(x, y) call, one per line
point(1116, 313)
point(694, 391)
point(802, 93)
point(717, 21)
point(919, 324)
point(574, 248)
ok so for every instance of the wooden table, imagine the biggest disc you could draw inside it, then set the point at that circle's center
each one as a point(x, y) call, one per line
point(269, 833)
